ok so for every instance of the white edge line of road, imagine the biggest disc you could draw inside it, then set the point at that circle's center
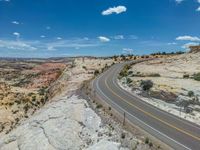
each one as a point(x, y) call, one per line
point(138, 118)
point(155, 108)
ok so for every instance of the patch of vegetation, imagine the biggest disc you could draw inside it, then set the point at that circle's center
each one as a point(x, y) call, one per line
point(84, 67)
point(128, 81)
point(190, 93)
point(146, 140)
point(96, 72)
point(197, 76)
point(99, 106)
point(42, 91)
point(123, 135)
point(124, 72)
point(146, 85)
point(154, 75)
point(186, 76)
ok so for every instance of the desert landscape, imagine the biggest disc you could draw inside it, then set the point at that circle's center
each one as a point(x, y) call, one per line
point(92, 127)
point(170, 83)
point(24, 87)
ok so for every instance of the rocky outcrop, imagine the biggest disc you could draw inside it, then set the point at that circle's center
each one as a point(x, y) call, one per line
point(194, 49)
point(65, 124)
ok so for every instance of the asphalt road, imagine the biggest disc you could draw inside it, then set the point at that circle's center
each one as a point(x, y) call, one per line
point(175, 132)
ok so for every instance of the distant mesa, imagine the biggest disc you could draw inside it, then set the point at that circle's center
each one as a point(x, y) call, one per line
point(195, 49)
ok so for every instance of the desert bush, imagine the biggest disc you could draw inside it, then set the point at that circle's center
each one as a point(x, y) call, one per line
point(34, 98)
point(150, 144)
point(197, 76)
point(42, 91)
point(146, 85)
point(96, 72)
point(84, 67)
point(99, 106)
point(130, 72)
point(186, 76)
point(124, 71)
point(190, 93)
point(128, 81)
point(154, 75)
point(146, 140)
point(123, 135)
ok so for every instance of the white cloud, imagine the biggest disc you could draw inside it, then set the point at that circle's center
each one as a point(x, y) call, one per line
point(118, 37)
point(47, 45)
point(59, 38)
point(127, 51)
point(198, 9)
point(187, 45)
point(198, 1)
point(16, 45)
point(187, 38)
point(117, 10)
point(17, 34)
point(179, 1)
point(15, 22)
point(103, 39)
point(42, 36)
point(5, 0)
point(73, 43)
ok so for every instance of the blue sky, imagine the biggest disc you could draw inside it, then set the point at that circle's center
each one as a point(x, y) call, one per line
point(51, 28)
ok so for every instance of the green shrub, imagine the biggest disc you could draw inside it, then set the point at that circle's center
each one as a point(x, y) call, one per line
point(146, 140)
point(197, 76)
point(150, 144)
point(190, 93)
point(123, 135)
point(154, 75)
point(128, 81)
point(42, 91)
point(99, 106)
point(84, 67)
point(146, 85)
point(96, 72)
point(186, 76)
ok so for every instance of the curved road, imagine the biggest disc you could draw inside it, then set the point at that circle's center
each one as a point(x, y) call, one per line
point(175, 132)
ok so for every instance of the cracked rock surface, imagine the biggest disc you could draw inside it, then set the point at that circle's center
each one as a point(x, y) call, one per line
point(67, 123)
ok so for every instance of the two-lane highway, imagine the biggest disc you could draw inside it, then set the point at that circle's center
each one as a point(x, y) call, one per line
point(175, 132)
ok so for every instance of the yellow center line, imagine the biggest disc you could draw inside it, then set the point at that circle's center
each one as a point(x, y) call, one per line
point(151, 115)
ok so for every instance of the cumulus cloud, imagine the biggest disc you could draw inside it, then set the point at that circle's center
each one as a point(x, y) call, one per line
point(117, 10)
point(198, 9)
point(187, 45)
point(187, 38)
point(17, 34)
point(59, 38)
point(103, 39)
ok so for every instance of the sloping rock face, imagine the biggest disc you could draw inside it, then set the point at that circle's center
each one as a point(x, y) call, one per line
point(61, 125)
point(194, 49)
